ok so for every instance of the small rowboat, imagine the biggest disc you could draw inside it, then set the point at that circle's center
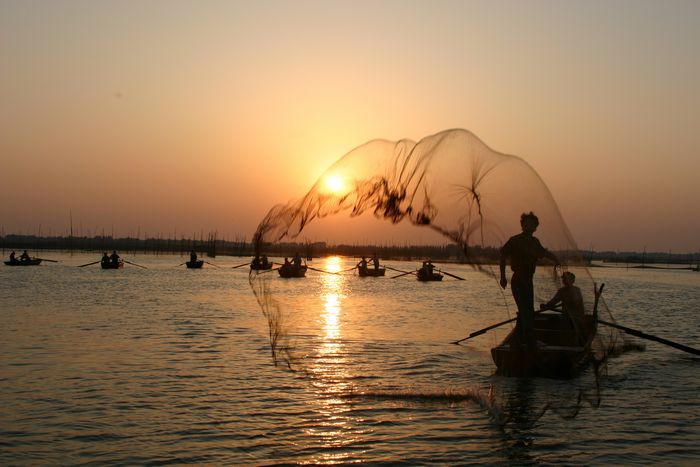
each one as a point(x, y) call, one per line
point(291, 271)
point(26, 262)
point(195, 264)
point(371, 272)
point(560, 353)
point(425, 275)
point(111, 265)
point(261, 266)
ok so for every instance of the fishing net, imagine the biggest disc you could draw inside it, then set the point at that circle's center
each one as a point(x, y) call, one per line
point(451, 183)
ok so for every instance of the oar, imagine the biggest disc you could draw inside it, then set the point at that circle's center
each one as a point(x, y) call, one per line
point(134, 264)
point(241, 265)
point(644, 335)
point(180, 264)
point(49, 260)
point(394, 269)
point(89, 264)
point(494, 326)
point(349, 269)
point(452, 275)
point(268, 270)
point(409, 272)
point(321, 270)
point(212, 264)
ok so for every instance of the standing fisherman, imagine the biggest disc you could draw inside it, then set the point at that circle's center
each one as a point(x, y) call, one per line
point(524, 250)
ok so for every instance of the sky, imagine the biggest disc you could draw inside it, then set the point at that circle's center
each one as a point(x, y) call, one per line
point(176, 117)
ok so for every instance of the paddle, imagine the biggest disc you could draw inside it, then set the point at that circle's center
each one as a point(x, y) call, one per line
point(134, 264)
point(180, 264)
point(452, 275)
point(241, 265)
point(49, 260)
point(494, 326)
point(212, 264)
point(644, 335)
point(267, 270)
point(321, 270)
point(394, 269)
point(409, 272)
point(89, 264)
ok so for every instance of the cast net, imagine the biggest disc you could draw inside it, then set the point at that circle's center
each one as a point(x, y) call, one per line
point(450, 182)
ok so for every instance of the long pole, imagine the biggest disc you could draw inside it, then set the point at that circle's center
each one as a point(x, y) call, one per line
point(643, 335)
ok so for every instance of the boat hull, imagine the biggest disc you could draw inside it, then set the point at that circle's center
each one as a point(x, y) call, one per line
point(291, 271)
point(195, 264)
point(27, 262)
point(425, 276)
point(561, 352)
point(261, 267)
point(111, 265)
point(371, 272)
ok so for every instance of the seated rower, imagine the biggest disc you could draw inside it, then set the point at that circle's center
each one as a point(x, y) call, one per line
point(255, 264)
point(24, 256)
point(114, 257)
point(375, 260)
point(193, 256)
point(362, 264)
point(105, 258)
point(12, 257)
point(571, 300)
point(264, 262)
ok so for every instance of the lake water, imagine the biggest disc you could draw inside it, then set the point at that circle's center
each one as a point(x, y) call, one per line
point(173, 366)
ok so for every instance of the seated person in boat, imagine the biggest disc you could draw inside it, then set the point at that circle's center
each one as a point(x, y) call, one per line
point(264, 262)
point(571, 301)
point(375, 261)
point(12, 257)
point(114, 257)
point(428, 267)
point(105, 258)
point(255, 264)
point(362, 264)
point(296, 261)
point(193, 256)
point(24, 256)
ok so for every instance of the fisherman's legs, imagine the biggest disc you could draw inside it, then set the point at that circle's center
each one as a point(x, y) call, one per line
point(524, 296)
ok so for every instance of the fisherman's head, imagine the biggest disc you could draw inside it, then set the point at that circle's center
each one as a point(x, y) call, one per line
point(568, 278)
point(529, 222)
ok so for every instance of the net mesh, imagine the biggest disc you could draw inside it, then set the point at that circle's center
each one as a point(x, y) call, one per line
point(450, 182)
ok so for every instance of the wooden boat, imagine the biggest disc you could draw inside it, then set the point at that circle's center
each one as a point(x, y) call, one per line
point(26, 262)
point(195, 264)
point(112, 265)
point(291, 271)
point(560, 353)
point(261, 266)
point(371, 272)
point(424, 275)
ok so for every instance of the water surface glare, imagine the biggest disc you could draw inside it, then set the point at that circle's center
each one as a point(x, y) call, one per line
point(173, 366)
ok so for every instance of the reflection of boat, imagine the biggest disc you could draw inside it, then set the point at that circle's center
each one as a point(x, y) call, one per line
point(26, 262)
point(195, 264)
point(370, 272)
point(111, 265)
point(425, 275)
point(560, 353)
point(288, 270)
point(261, 266)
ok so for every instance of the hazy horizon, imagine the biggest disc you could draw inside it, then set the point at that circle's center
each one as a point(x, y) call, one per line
point(176, 117)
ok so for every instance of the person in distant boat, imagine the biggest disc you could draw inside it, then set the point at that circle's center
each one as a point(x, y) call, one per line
point(255, 264)
point(12, 257)
point(375, 261)
point(105, 258)
point(296, 261)
point(362, 264)
point(428, 267)
point(264, 263)
point(571, 301)
point(114, 257)
point(193, 256)
point(523, 250)
point(24, 256)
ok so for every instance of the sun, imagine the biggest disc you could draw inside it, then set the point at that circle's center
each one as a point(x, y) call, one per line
point(334, 184)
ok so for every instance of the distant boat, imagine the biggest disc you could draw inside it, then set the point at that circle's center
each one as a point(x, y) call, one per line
point(425, 275)
point(561, 353)
point(288, 270)
point(111, 265)
point(26, 262)
point(370, 272)
point(195, 264)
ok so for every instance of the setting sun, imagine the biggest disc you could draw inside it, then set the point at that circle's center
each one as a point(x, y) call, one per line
point(334, 184)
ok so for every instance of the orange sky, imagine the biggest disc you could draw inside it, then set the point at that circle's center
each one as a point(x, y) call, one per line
point(180, 117)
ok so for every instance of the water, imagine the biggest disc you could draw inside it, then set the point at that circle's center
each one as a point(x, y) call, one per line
point(174, 366)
